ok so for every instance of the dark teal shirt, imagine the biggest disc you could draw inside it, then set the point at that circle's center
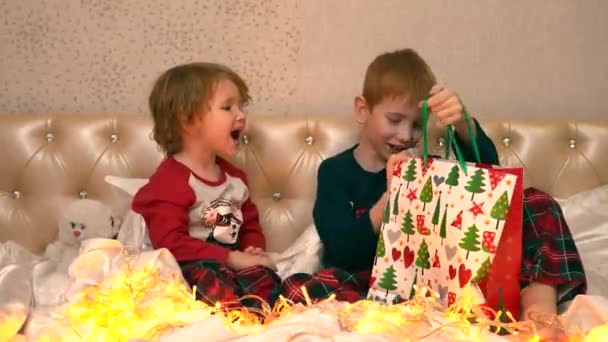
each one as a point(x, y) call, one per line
point(345, 194)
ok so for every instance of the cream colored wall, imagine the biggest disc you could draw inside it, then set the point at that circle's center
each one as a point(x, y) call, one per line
point(521, 58)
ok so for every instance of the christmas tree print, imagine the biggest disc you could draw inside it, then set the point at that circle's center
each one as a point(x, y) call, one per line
point(436, 262)
point(423, 256)
point(410, 173)
point(389, 280)
point(453, 177)
point(476, 184)
point(380, 249)
point(470, 241)
point(396, 203)
point(413, 290)
point(435, 219)
point(426, 195)
point(387, 212)
point(500, 208)
point(442, 228)
point(482, 272)
point(495, 178)
point(502, 313)
point(430, 287)
point(407, 227)
point(457, 223)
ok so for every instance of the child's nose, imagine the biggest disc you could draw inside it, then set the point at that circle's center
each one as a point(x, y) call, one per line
point(240, 116)
point(404, 137)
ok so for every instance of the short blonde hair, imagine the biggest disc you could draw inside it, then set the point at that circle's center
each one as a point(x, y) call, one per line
point(398, 73)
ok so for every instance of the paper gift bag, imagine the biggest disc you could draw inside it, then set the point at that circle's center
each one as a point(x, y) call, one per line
point(443, 227)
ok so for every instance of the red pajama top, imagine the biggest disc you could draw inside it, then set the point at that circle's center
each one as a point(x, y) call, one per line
point(197, 219)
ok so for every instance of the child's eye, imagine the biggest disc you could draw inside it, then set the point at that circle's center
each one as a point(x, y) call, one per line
point(394, 121)
point(226, 108)
point(417, 125)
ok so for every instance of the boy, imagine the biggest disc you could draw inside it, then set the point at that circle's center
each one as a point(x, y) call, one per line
point(196, 204)
point(352, 186)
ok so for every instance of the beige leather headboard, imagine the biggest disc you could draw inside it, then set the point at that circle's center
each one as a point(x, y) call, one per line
point(52, 159)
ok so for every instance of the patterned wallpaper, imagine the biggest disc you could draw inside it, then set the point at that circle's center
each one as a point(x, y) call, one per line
point(103, 55)
point(506, 58)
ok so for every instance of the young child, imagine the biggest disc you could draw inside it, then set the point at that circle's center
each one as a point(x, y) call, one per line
point(352, 186)
point(196, 204)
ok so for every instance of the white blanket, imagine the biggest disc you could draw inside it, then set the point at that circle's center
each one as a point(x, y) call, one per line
point(100, 259)
point(16, 288)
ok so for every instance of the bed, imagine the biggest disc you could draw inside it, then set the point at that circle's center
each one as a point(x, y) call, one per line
point(52, 159)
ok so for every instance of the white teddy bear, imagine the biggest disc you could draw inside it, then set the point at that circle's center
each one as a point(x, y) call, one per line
point(83, 219)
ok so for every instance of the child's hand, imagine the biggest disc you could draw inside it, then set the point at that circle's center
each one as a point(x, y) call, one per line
point(266, 261)
point(446, 104)
point(241, 260)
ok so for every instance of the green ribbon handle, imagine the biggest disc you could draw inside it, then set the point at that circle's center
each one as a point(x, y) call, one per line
point(425, 123)
point(450, 139)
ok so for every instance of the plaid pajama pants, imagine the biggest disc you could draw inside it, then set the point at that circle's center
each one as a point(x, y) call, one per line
point(346, 286)
point(216, 283)
point(550, 255)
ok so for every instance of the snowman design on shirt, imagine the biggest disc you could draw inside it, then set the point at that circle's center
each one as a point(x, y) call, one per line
point(224, 220)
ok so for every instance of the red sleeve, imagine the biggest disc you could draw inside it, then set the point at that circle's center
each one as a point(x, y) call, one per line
point(164, 203)
point(250, 234)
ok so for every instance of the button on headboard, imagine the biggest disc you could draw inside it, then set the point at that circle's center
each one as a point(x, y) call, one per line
point(52, 159)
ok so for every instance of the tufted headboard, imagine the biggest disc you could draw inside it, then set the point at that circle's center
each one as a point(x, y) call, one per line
point(52, 159)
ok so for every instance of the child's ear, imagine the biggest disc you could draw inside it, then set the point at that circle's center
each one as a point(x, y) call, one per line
point(362, 111)
point(189, 126)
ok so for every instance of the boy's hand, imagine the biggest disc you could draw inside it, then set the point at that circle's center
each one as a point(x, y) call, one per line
point(446, 104)
point(376, 212)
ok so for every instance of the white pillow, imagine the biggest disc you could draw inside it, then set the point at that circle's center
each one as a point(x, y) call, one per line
point(587, 216)
point(129, 185)
point(303, 256)
point(133, 231)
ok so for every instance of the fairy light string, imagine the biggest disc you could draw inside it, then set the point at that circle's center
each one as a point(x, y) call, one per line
point(142, 303)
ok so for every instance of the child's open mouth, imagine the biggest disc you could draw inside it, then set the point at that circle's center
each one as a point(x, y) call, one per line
point(236, 135)
point(394, 149)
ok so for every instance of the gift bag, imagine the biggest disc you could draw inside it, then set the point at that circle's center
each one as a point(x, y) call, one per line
point(451, 226)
